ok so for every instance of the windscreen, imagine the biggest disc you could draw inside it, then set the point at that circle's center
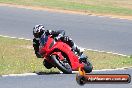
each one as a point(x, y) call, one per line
point(43, 40)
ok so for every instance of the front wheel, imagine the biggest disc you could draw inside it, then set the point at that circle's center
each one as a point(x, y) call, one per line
point(87, 64)
point(47, 64)
point(88, 67)
point(64, 66)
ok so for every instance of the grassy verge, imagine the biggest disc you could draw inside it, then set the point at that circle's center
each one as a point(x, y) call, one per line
point(108, 61)
point(17, 56)
point(116, 7)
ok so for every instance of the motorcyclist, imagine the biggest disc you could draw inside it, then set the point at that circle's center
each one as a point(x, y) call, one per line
point(39, 30)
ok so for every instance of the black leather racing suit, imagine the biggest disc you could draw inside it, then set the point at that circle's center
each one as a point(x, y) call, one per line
point(59, 34)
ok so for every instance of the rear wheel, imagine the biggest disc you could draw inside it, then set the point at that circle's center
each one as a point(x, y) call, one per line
point(64, 66)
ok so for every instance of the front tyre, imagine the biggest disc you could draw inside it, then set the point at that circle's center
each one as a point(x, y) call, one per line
point(88, 67)
point(64, 66)
point(47, 64)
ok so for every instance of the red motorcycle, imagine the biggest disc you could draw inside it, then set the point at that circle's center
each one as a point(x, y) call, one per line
point(59, 54)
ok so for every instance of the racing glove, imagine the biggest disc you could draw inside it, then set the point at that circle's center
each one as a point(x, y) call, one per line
point(66, 38)
point(58, 37)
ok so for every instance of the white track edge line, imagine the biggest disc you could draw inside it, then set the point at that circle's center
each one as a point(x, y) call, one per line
point(24, 74)
point(33, 74)
point(82, 49)
point(14, 37)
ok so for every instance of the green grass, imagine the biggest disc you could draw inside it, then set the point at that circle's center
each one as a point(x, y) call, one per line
point(116, 7)
point(17, 56)
point(108, 61)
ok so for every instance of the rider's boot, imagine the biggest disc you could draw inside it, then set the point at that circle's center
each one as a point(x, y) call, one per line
point(76, 50)
point(74, 47)
point(82, 57)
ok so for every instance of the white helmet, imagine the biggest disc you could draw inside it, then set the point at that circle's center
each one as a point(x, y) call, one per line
point(38, 30)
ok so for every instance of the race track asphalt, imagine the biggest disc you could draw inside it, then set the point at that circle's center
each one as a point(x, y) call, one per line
point(58, 81)
point(100, 33)
point(92, 32)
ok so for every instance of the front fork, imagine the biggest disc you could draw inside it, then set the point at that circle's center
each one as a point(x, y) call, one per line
point(59, 55)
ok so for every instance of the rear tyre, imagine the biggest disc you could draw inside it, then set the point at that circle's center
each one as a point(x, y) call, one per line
point(64, 66)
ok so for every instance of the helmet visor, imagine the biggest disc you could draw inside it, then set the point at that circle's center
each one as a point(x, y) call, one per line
point(36, 35)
